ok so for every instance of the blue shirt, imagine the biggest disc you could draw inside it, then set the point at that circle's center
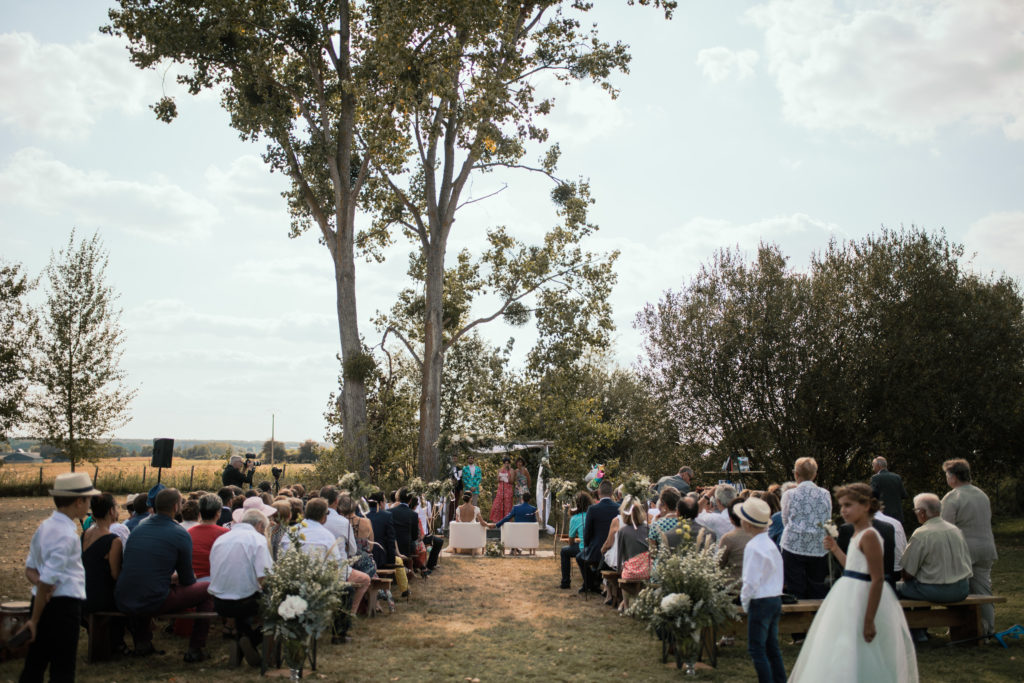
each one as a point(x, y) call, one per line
point(524, 512)
point(134, 521)
point(159, 547)
point(576, 527)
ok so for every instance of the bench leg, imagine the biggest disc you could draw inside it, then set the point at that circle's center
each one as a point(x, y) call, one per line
point(967, 624)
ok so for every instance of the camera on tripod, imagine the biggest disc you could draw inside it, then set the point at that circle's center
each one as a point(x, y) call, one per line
point(276, 472)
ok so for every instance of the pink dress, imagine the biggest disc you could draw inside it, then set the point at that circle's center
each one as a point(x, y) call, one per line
point(503, 498)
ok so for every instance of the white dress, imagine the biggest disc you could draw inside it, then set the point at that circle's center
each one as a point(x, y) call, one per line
point(835, 650)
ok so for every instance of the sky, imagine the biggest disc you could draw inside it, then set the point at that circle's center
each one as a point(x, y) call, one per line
point(784, 121)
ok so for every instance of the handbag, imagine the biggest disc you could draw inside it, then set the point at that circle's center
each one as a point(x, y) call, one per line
point(637, 567)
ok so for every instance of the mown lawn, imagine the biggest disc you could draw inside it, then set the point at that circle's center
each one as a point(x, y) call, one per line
point(506, 619)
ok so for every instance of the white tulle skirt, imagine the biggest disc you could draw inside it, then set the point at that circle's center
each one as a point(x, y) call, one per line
point(835, 650)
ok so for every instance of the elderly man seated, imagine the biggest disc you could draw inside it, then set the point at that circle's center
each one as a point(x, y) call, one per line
point(239, 561)
point(936, 563)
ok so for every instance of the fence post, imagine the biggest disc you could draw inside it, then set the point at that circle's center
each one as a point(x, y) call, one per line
point(143, 476)
point(40, 476)
point(191, 474)
point(95, 475)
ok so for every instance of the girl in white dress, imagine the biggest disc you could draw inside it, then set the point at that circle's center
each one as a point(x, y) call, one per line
point(859, 632)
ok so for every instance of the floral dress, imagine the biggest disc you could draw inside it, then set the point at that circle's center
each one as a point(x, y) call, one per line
point(675, 530)
point(502, 504)
point(522, 485)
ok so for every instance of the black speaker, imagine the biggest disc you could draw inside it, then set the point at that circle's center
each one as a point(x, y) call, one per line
point(163, 450)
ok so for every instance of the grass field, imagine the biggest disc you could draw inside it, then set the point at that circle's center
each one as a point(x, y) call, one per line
point(491, 619)
point(130, 475)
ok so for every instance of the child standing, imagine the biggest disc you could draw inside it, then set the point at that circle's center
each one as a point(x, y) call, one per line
point(761, 594)
point(859, 632)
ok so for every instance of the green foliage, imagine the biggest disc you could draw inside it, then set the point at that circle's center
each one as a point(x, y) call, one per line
point(82, 396)
point(358, 368)
point(17, 329)
point(886, 347)
point(280, 453)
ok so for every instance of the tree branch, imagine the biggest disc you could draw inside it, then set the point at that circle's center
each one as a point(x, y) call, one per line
point(405, 341)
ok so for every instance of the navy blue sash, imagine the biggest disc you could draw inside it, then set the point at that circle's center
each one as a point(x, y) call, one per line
point(856, 575)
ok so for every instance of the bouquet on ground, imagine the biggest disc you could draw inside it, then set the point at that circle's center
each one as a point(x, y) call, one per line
point(302, 594)
point(688, 593)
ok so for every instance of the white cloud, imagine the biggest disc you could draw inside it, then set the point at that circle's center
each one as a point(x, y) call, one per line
point(720, 63)
point(998, 240)
point(159, 210)
point(57, 91)
point(170, 316)
point(583, 112)
point(902, 70)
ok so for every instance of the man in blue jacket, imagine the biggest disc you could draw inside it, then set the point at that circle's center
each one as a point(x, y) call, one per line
point(524, 512)
point(595, 531)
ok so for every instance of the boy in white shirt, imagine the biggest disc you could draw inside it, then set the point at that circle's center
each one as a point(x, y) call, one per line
point(762, 591)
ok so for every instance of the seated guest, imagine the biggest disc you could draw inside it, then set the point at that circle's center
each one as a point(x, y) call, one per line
point(298, 509)
point(407, 524)
point(204, 534)
point(714, 515)
point(937, 562)
point(279, 541)
point(569, 552)
point(54, 566)
point(189, 514)
point(899, 540)
point(363, 530)
point(239, 561)
point(687, 510)
point(667, 524)
point(101, 557)
point(777, 526)
point(632, 544)
point(160, 547)
point(320, 541)
point(338, 524)
point(385, 548)
point(434, 542)
point(226, 493)
point(731, 544)
point(139, 511)
point(595, 531)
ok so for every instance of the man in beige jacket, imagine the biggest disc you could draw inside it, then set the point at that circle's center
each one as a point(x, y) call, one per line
point(968, 508)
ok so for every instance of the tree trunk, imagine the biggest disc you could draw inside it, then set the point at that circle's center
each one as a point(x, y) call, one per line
point(433, 364)
point(353, 392)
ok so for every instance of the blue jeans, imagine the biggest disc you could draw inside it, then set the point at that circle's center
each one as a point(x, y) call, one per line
point(763, 639)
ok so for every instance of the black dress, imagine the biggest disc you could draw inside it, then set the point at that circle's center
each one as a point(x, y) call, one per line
point(99, 583)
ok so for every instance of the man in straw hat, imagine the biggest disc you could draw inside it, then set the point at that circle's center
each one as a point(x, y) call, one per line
point(762, 591)
point(54, 565)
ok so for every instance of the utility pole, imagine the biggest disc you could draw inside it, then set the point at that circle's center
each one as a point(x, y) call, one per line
point(272, 448)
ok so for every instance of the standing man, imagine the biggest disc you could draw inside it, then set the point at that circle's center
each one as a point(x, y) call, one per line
point(471, 475)
point(236, 473)
point(681, 481)
point(888, 488)
point(968, 508)
point(54, 565)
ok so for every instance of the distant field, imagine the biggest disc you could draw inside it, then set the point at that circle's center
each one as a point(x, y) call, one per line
point(130, 475)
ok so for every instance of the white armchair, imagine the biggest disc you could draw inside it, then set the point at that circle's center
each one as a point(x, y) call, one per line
point(521, 535)
point(466, 536)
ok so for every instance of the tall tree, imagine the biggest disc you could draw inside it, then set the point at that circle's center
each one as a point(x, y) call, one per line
point(465, 87)
point(17, 327)
point(81, 395)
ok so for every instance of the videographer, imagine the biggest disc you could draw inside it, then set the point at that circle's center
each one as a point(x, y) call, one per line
point(238, 471)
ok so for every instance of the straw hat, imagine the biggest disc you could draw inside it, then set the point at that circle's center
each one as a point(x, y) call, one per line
point(73, 484)
point(253, 503)
point(755, 511)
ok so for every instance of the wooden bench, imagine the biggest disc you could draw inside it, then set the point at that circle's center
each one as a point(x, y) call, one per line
point(98, 646)
point(963, 618)
point(611, 579)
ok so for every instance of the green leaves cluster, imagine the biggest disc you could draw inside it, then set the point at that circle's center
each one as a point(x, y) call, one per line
point(17, 335)
point(885, 347)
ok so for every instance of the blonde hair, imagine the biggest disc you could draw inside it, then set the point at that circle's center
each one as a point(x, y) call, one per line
point(632, 512)
point(807, 468)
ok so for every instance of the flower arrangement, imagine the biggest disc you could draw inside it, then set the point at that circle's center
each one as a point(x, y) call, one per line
point(438, 489)
point(494, 549)
point(416, 486)
point(688, 593)
point(301, 595)
point(829, 528)
point(638, 486)
point(356, 487)
point(562, 490)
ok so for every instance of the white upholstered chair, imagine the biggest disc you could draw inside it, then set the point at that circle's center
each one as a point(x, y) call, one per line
point(466, 536)
point(521, 535)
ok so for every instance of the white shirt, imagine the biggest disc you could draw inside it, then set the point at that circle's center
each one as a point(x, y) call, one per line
point(238, 560)
point(340, 527)
point(717, 522)
point(56, 553)
point(122, 532)
point(762, 570)
point(901, 538)
point(423, 510)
